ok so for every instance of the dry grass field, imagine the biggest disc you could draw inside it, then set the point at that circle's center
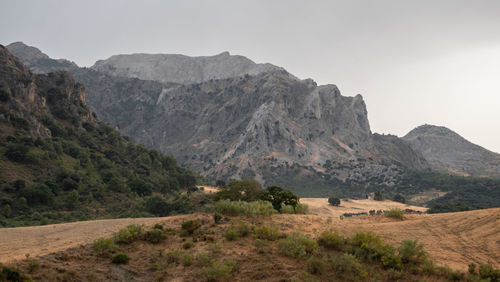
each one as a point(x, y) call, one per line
point(455, 239)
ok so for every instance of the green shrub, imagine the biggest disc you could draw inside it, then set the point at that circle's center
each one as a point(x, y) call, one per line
point(104, 246)
point(266, 232)
point(217, 218)
point(243, 228)
point(155, 236)
point(347, 266)
point(120, 258)
point(231, 234)
point(411, 252)
point(158, 226)
point(173, 256)
point(262, 246)
point(187, 245)
point(472, 268)
point(187, 260)
point(12, 274)
point(486, 271)
point(220, 271)
point(334, 201)
point(299, 209)
point(129, 234)
point(296, 246)
point(191, 226)
point(370, 247)
point(316, 265)
point(203, 259)
point(331, 240)
point(33, 265)
point(396, 213)
point(233, 208)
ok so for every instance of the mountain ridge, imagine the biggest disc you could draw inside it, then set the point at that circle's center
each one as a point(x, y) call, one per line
point(148, 102)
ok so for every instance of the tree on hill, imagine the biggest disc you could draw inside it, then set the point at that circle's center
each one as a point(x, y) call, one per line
point(334, 201)
point(241, 190)
point(378, 196)
point(279, 197)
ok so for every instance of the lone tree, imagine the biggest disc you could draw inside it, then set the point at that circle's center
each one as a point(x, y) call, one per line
point(399, 198)
point(378, 196)
point(334, 201)
point(279, 196)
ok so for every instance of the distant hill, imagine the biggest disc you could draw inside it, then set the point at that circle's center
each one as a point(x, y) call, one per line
point(447, 151)
point(59, 163)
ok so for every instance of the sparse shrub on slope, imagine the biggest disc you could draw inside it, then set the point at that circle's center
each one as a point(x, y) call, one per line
point(129, 234)
point(190, 226)
point(232, 208)
point(220, 271)
point(266, 232)
point(396, 213)
point(296, 246)
point(104, 246)
point(155, 235)
point(331, 240)
point(120, 258)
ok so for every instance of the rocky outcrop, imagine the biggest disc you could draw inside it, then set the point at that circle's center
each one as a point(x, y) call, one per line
point(37, 61)
point(448, 151)
point(180, 68)
point(28, 101)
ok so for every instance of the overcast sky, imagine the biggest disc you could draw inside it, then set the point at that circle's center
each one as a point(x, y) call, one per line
point(414, 62)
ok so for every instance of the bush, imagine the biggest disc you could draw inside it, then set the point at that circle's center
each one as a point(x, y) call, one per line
point(17, 153)
point(203, 259)
point(155, 236)
point(187, 245)
point(241, 190)
point(12, 274)
point(173, 256)
point(191, 226)
point(370, 247)
point(399, 198)
point(411, 252)
point(396, 213)
point(232, 208)
point(472, 268)
point(331, 240)
point(219, 271)
point(334, 201)
point(217, 218)
point(347, 266)
point(231, 234)
point(299, 209)
point(120, 258)
point(316, 265)
point(296, 246)
point(486, 271)
point(187, 260)
point(104, 246)
point(266, 232)
point(129, 234)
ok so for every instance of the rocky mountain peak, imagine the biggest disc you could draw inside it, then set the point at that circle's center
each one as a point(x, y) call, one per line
point(180, 68)
point(37, 61)
point(446, 150)
point(30, 101)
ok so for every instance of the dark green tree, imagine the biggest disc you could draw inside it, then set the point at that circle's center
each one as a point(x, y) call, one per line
point(334, 201)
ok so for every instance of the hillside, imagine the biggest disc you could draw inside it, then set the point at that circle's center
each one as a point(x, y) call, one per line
point(455, 239)
point(59, 163)
point(447, 151)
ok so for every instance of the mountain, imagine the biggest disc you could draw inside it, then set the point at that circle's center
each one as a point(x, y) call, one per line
point(264, 124)
point(59, 163)
point(180, 68)
point(447, 151)
point(37, 61)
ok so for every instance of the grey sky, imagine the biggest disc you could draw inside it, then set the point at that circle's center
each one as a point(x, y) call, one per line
point(415, 62)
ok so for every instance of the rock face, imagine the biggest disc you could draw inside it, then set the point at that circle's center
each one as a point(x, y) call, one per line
point(448, 151)
point(37, 61)
point(258, 121)
point(180, 68)
point(26, 99)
